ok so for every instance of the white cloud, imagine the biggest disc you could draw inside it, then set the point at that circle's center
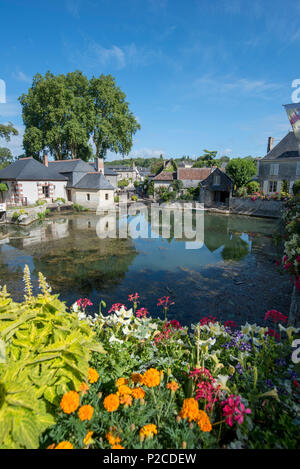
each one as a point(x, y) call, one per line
point(20, 76)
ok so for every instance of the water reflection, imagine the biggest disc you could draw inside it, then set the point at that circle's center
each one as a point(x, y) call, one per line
point(79, 258)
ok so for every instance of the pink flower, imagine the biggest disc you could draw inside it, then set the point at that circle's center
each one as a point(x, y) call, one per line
point(133, 297)
point(142, 313)
point(234, 410)
point(84, 303)
point(116, 307)
point(165, 301)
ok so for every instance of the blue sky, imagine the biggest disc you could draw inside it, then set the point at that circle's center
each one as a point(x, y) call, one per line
point(198, 74)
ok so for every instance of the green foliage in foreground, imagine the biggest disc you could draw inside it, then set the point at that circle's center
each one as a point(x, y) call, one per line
point(47, 352)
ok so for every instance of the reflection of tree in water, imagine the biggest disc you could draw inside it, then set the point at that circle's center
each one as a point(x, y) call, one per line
point(215, 231)
point(235, 249)
point(85, 268)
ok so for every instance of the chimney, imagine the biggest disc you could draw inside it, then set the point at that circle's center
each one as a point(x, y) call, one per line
point(45, 159)
point(100, 165)
point(270, 144)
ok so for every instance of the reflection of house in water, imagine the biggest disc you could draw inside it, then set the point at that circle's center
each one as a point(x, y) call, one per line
point(75, 257)
point(42, 233)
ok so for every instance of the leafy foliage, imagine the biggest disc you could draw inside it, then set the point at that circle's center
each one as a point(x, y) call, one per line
point(47, 354)
point(240, 170)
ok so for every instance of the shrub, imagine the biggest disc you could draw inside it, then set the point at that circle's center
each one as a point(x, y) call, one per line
point(60, 199)
point(253, 186)
point(134, 198)
point(123, 183)
point(79, 208)
point(296, 187)
point(40, 202)
point(47, 354)
point(117, 198)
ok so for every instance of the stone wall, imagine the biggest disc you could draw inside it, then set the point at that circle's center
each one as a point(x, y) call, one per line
point(257, 208)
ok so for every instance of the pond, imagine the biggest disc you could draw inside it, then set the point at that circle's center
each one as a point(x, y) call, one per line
point(230, 275)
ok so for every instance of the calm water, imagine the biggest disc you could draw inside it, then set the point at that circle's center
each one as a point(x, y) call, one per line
point(232, 276)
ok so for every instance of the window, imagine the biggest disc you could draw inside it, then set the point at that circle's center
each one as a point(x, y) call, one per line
point(217, 179)
point(272, 186)
point(88, 197)
point(46, 191)
point(274, 168)
point(106, 196)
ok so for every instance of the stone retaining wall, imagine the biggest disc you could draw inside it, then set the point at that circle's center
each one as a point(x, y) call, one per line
point(257, 208)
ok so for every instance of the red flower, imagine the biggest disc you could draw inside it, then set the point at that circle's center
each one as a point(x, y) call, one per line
point(230, 324)
point(116, 307)
point(133, 297)
point(84, 302)
point(142, 313)
point(273, 333)
point(207, 320)
point(276, 316)
point(165, 301)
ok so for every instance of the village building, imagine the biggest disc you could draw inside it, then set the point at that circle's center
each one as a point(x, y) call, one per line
point(216, 188)
point(281, 163)
point(28, 181)
point(93, 191)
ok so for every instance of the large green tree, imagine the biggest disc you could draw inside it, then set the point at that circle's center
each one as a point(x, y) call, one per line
point(241, 170)
point(114, 124)
point(58, 115)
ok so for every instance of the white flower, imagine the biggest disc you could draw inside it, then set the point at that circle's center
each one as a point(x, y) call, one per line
point(114, 339)
point(222, 381)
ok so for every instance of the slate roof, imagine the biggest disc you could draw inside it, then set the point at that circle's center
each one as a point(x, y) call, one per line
point(93, 181)
point(107, 171)
point(29, 169)
point(288, 147)
point(69, 166)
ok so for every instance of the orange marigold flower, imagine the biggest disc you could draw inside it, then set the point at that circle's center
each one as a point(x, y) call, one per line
point(138, 393)
point(124, 389)
point(93, 376)
point(136, 377)
point(173, 386)
point(112, 439)
point(125, 399)
point(51, 446)
point(84, 388)
point(111, 402)
point(148, 431)
point(121, 382)
point(203, 421)
point(117, 447)
point(88, 438)
point(190, 409)
point(86, 412)
point(70, 402)
point(64, 445)
point(151, 378)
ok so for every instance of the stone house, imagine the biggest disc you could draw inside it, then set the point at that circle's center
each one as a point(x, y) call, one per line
point(28, 181)
point(93, 191)
point(281, 163)
point(216, 188)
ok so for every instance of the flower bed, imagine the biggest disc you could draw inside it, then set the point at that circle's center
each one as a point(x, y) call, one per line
point(150, 383)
